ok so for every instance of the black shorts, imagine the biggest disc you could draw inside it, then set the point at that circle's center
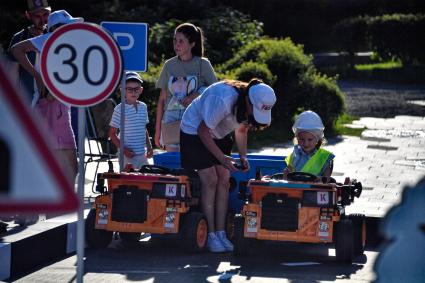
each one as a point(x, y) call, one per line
point(194, 154)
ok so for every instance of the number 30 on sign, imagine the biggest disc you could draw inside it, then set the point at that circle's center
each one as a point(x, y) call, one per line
point(81, 64)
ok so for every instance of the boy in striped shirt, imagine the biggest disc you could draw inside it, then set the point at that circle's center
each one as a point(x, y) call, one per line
point(137, 144)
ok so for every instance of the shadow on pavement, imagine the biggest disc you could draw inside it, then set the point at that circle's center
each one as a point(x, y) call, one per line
point(165, 261)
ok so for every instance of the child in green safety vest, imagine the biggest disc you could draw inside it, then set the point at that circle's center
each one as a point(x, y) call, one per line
point(308, 155)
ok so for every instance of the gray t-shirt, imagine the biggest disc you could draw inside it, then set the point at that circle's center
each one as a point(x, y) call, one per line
point(180, 78)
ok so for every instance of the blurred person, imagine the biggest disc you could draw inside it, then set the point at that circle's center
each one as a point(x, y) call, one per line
point(55, 114)
point(37, 13)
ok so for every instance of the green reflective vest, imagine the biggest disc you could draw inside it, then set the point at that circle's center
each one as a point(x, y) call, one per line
point(315, 164)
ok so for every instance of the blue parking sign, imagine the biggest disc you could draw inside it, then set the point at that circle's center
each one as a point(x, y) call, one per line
point(132, 39)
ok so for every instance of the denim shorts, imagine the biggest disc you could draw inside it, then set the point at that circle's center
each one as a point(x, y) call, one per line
point(172, 116)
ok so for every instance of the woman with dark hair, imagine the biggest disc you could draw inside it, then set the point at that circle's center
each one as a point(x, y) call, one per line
point(206, 143)
point(182, 79)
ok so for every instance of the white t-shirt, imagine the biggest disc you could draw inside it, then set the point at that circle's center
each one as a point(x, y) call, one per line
point(39, 41)
point(215, 108)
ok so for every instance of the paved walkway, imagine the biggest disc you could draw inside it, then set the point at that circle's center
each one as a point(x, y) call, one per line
point(389, 155)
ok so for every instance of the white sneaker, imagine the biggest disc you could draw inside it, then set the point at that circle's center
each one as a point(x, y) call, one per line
point(214, 244)
point(221, 235)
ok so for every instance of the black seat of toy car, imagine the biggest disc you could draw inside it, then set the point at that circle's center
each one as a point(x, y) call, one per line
point(156, 169)
point(192, 174)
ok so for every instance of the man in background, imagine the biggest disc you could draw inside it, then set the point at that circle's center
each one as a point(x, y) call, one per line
point(37, 13)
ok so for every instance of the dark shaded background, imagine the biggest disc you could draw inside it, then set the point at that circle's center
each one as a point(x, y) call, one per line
point(308, 22)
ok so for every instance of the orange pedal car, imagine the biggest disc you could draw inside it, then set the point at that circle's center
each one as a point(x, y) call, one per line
point(301, 210)
point(156, 200)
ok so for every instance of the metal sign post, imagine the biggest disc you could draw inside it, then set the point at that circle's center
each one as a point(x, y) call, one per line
point(81, 65)
point(132, 38)
point(80, 192)
point(122, 123)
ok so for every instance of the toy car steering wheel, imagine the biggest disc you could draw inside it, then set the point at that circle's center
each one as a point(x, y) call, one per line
point(154, 169)
point(277, 176)
point(301, 177)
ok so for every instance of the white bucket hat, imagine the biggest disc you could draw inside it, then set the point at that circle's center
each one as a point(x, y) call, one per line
point(61, 17)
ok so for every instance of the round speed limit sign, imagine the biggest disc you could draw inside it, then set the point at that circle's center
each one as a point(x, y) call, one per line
point(81, 64)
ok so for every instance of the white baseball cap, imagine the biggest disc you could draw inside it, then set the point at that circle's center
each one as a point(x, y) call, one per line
point(262, 98)
point(133, 76)
point(61, 17)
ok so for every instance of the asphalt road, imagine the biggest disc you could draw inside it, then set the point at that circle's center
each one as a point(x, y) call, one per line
point(166, 262)
point(378, 163)
point(383, 100)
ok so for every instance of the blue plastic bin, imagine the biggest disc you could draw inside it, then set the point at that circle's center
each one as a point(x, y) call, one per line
point(266, 164)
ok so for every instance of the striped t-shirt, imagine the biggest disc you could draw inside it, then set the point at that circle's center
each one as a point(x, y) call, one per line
point(135, 126)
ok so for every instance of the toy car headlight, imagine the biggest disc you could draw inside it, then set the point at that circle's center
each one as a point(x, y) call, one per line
point(251, 221)
point(103, 214)
point(170, 217)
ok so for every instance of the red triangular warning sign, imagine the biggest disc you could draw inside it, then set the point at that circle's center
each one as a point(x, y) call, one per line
point(31, 179)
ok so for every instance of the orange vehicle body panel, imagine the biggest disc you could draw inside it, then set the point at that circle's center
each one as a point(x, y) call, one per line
point(309, 218)
point(156, 208)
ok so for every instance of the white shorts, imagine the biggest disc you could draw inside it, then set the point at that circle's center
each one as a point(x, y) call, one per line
point(137, 161)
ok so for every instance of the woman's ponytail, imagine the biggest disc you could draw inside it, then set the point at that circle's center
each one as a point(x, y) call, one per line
point(241, 107)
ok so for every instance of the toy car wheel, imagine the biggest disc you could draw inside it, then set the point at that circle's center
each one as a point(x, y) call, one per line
point(96, 238)
point(344, 241)
point(194, 230)
point(359, 233)
point(129, 237)
point(241, 244)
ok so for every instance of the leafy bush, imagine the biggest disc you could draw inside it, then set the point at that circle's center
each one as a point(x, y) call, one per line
point(150, 94)
point(324, 97)
point(161, 41)
point(399, 36)
point(351, 35)
point(225, 31)
point(297, 83)
point(395, 36)
point(249, 70)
